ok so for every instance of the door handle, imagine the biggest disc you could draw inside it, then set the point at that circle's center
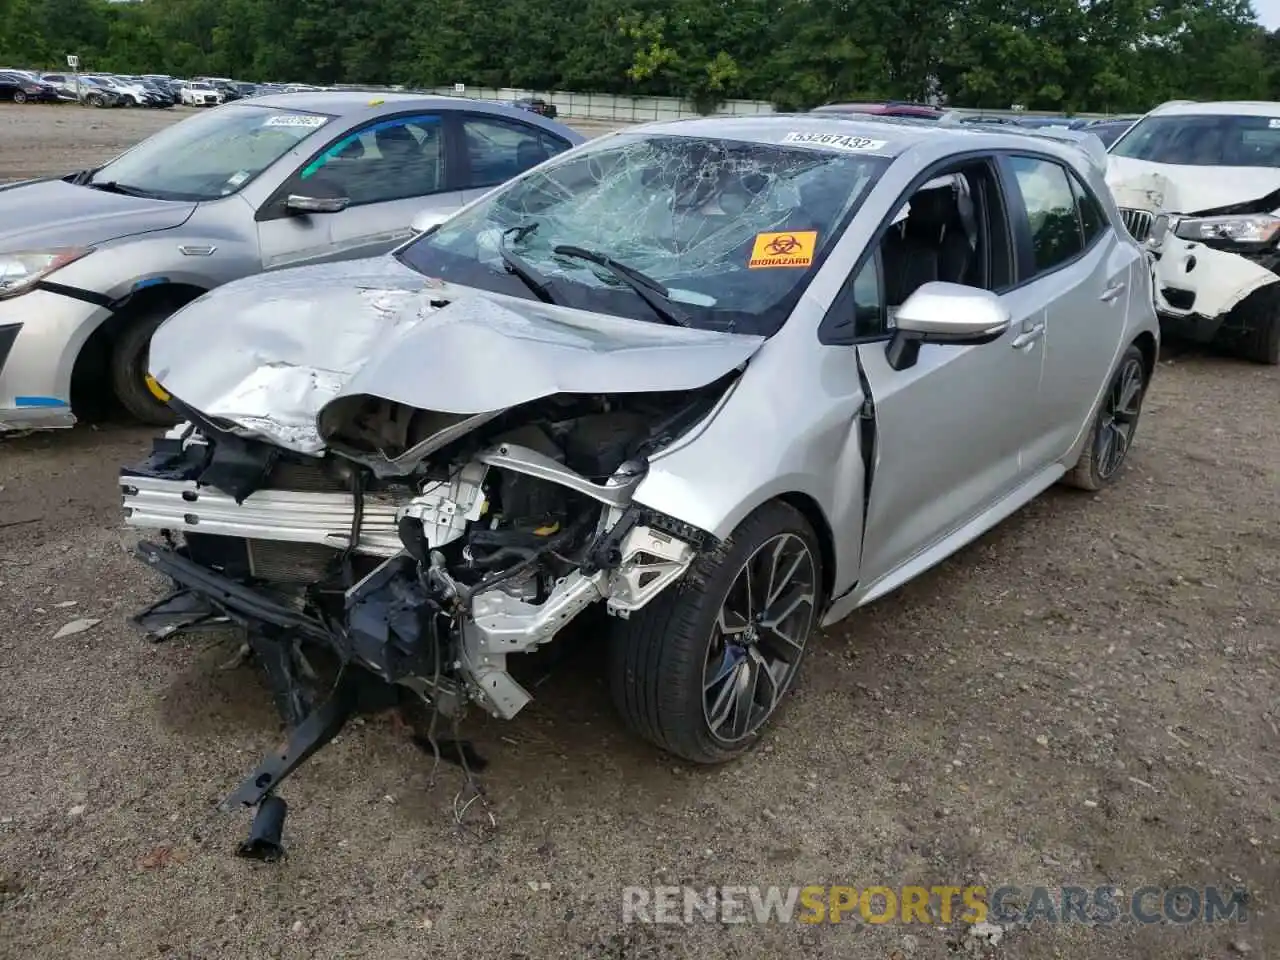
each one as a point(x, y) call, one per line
point(1112, 292)
point(1028, 337)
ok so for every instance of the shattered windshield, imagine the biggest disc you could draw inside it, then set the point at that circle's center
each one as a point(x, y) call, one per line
point(211, 155)
point(716, 234)
point(1204, 141)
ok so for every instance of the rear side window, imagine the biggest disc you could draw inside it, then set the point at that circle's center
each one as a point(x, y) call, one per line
point(1050, 203)
point(1092, 222)
point(499, 149)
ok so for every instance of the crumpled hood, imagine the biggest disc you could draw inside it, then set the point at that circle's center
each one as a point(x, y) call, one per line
point(267, 353)
point(1178, 188)
point(52, 213)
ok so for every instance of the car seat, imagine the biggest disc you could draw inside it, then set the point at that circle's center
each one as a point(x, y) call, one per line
point(530, 153)
point(403, 158)
point(933, 245)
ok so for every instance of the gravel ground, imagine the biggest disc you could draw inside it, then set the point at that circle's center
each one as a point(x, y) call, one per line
point(1087, 695)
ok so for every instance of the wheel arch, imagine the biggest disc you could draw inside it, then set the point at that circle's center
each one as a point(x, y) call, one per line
point(808, 507)
point(90, 382)
point(1146, 342)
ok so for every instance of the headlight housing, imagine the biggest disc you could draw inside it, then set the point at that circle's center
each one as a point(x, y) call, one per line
point(23, 269)
point(1248, 229)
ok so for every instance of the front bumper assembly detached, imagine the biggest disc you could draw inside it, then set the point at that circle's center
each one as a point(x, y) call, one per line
point(379, 603)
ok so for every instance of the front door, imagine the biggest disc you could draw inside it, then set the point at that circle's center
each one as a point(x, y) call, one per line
point(390, 170)
point(951, 430)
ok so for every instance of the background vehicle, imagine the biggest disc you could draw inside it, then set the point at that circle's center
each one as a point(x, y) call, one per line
point(891, 108)
point(537, 105)
point(93, 93)
point(1111, 129)
point(545, 428)
point(132, 93)
point(91, 264)
point(158, 94)
point(1200, 182)
point(196, 93)
point(21, 88)
point(1034, 123)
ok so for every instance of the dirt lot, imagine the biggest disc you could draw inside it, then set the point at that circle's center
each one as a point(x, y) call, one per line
point(1087, 696)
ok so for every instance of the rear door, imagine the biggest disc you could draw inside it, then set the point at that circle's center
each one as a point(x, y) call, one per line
point(1081, 270)
point(390, 170)
point(494, 149)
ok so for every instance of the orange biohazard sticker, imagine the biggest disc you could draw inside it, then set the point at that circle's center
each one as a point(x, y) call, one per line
point(783, 249)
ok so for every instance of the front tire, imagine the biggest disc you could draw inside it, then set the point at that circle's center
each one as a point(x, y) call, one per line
point(702, 669)
point(1115, 425)
point(19, 97)
point(1262, 345)
point(129, 377)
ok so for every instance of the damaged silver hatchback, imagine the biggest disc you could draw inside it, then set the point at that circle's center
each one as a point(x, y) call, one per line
point(721, 381)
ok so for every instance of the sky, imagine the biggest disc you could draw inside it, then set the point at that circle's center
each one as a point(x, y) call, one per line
point(1268, 13)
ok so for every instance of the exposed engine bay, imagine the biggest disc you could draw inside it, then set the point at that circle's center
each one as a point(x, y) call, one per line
point(423, 549)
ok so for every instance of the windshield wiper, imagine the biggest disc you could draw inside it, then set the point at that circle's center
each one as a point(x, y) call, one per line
point(113, 186)
point(649, 290)
point(521, 267)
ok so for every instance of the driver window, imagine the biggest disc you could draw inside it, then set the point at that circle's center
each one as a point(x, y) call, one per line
point(390, 160)
point(952, 229)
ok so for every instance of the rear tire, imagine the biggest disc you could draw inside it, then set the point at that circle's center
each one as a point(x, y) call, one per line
point(129, 358)
point(19, 97)
point(1114, 426)
point(674, 665)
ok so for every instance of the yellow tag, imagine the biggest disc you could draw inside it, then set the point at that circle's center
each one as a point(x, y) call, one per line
point(376, 103)
point(783, 249)
point(157, 391)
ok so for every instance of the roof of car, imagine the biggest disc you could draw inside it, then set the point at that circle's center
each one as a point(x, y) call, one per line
point(1247, 108)
point(358, 103)
point(890, 136)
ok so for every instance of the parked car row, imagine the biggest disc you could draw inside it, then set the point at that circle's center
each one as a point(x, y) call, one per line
point(121, 90)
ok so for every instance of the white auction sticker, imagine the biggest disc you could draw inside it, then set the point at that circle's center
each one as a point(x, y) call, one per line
point(1274, 122)
point(295, 120)
point(837, 141)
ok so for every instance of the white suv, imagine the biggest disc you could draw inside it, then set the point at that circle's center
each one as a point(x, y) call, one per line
point(1200, 183)
point(199, 94)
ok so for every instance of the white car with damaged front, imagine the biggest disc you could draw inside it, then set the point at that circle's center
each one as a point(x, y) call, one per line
point(1199, 183)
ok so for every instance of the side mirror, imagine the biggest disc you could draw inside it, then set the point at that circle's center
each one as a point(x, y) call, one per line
point(946, 313)
point(428, 219)
point(300, 204)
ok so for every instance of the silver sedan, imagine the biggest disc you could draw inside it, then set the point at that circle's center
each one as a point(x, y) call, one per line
point(93, 262)
point(725, 380)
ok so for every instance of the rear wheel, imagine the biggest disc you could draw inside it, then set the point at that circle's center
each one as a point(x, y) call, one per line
point(1114, 426)
point(19, 97)
point(134, 387)
point(95, 100)
point(703, 668)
